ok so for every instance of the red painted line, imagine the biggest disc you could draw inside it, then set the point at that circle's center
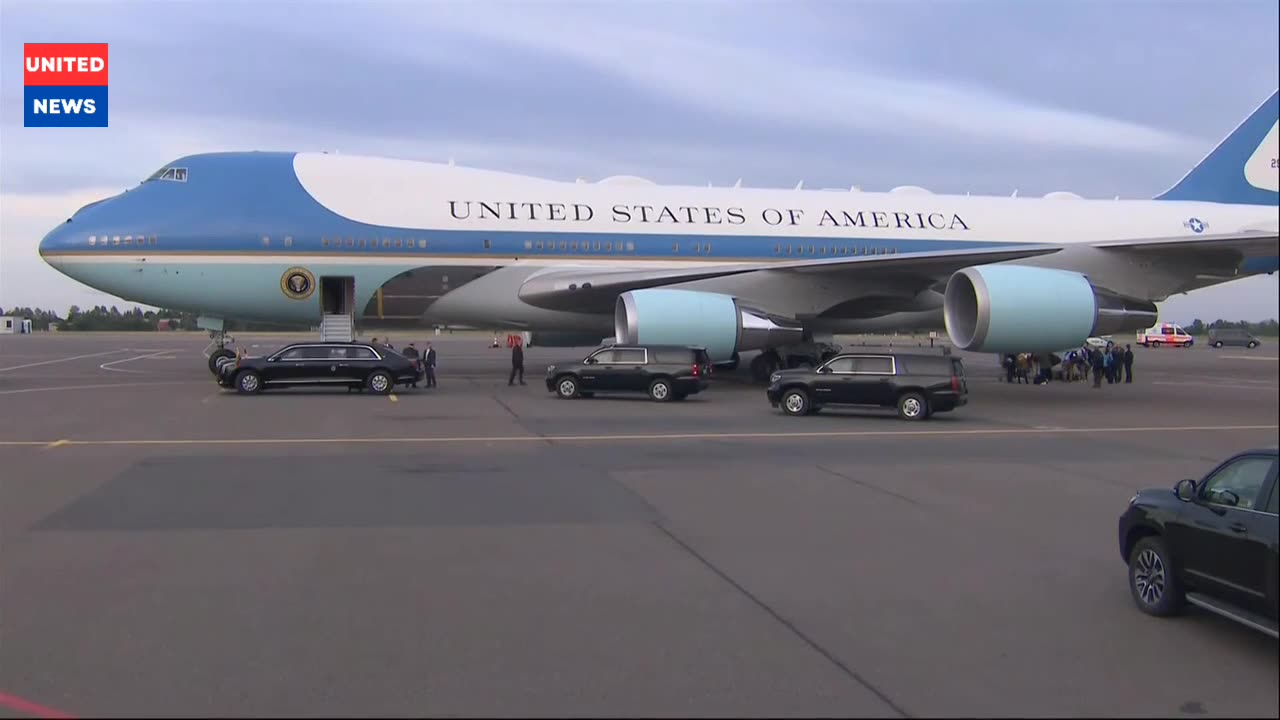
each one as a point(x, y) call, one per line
point(30, 709)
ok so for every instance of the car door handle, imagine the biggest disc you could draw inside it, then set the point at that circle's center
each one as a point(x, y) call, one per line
point(1238, 528)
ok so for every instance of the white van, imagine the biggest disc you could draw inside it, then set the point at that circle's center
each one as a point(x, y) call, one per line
point(1165, 335)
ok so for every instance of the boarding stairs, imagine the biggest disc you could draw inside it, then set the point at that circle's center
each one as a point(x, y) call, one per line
point(336, 328)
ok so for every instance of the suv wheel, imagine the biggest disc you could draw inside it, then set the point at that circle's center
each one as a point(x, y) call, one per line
point(1151, 580)
point(660, 390)
point(567, 387)
point(1218, 344)
point(795, 402)
point(1253, 344)
point(912, 406)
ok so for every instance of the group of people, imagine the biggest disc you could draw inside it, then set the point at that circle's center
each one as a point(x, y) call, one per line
point(427, 360)
point(1113, 363)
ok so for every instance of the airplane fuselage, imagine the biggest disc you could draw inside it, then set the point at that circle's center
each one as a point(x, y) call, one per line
point(219, 235)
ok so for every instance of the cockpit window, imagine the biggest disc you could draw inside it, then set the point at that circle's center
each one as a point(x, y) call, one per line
point(171, 174)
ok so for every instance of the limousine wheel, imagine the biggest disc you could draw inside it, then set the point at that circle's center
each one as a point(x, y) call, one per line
point(380, 382)
point(567, 387)
point(912, 406)
point(795, 402)
point(248, 382)
point(660, 390)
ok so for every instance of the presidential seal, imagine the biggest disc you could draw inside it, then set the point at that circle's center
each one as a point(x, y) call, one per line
point(297, 283)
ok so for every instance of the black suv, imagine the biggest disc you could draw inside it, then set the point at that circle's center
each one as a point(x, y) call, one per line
point(665, 372)
point(340, 364)
point(918, 385)
point(1232, 336)
point(1211, 543)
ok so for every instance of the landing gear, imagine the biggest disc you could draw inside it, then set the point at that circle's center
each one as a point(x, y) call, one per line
point(807, 354)
point(221, 354)
point(764, 365)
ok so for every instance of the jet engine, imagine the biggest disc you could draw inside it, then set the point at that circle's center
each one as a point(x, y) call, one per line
point(1013, 308)
point(720, 323)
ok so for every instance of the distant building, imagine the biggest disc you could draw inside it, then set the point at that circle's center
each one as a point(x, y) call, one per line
point(11, 325)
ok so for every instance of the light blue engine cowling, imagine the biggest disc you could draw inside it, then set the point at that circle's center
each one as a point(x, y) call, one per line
point(716, 322)
point(1012, 308)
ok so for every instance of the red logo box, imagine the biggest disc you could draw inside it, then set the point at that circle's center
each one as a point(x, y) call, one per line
point(64, 64)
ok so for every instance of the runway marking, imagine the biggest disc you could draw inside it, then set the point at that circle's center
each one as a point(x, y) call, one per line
point(633, 438)
point(1249, 357)
point(60, 388)
point(107, 365)
point(58, 443)
point(65, 359)
point(26, 707)
point(392, 397)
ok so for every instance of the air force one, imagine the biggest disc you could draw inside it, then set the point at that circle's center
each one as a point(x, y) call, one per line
point(333, 240)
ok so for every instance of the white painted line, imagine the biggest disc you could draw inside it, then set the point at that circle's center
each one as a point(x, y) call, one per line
point(62, 388)
point(626, 438)
point(65, 359)
point(107, 365)
point(1230, 386)
point(1249, 357)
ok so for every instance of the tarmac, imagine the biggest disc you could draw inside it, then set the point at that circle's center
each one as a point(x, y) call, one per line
point(170, 548)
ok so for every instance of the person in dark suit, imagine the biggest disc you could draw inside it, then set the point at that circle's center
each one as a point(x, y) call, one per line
point(429, 365)
point(411, 352)
point(1128, 363)
point(517, 363)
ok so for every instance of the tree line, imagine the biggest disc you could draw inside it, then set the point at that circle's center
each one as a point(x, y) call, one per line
point(103, 319)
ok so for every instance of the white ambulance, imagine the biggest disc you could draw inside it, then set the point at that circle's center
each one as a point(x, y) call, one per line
point(1165, 335)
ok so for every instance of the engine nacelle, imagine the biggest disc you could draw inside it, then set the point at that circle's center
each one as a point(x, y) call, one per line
point(721, 324)
point(1013, 308)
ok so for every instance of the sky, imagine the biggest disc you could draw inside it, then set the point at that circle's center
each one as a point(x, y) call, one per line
point(1100, 98)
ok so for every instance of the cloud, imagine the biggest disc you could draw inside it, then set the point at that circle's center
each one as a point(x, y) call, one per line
point(802, 96)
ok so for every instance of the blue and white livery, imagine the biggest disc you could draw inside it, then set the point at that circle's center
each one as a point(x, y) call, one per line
point(330, 239)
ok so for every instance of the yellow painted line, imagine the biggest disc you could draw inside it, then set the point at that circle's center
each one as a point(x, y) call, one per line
point(58, 443)
point(379, 293)
point(1003, 432)
point(394, 398)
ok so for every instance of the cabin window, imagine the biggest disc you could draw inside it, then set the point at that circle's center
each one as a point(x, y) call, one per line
point(528, 244)
point(386, 243)
point(93, 240)
point(538, 245)
point(288, 241)
point(631, 247)
point(422, 244)
point(596, 246)
point(266, 241)
point(707, 249)
point(488, 244)
point(608, 247)
point(675, 247)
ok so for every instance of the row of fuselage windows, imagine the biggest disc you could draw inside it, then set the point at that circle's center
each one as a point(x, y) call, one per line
point(352, 243)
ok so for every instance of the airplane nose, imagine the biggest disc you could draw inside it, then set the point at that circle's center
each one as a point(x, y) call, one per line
point(53, 241)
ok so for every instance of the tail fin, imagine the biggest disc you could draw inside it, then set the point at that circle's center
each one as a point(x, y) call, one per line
point(1243, 169)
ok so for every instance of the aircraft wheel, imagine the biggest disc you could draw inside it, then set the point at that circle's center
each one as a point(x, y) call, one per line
point(217, 357)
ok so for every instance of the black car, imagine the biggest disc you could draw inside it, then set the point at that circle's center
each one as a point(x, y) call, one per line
point(1211, 543)
point(664, 372)
point(1232, 336)
point(917, 385)
point(340, 364)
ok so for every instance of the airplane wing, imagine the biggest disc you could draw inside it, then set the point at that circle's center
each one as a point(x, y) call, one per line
point(1246, 244)
point(588, 289)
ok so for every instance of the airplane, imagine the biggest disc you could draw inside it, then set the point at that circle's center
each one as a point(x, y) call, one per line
point(335, 240)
